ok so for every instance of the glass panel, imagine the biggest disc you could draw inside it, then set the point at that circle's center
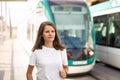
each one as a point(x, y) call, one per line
point(101, 29)
point(114, 30)
point(74, 20)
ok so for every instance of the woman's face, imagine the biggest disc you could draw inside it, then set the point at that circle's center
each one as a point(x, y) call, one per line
point(49, 33)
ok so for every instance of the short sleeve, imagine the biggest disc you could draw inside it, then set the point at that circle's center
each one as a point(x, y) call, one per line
point(64, 57)
point(32, 60)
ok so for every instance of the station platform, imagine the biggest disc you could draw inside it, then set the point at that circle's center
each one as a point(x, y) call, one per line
point(13, 60)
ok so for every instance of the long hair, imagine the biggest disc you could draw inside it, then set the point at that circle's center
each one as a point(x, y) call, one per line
point(40, 41)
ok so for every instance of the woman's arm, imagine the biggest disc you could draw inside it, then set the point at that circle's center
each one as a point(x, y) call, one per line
point(63, 72)
point(65, 67)
point(29, 72)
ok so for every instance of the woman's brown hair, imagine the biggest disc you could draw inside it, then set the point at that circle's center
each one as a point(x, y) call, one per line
point(40, 41)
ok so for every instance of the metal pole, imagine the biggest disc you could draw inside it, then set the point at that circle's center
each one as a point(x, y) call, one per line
point(5, 10)
point(1, 7)
point(10, 24)
point(1, 18)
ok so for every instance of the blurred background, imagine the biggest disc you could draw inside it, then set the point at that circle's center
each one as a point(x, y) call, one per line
point(16, 45)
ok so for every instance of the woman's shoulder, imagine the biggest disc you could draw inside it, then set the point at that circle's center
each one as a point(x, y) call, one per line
point(37, 51)
point(64, 50)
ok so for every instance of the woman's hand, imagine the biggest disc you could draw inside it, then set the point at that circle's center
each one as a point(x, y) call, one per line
point(63, 73)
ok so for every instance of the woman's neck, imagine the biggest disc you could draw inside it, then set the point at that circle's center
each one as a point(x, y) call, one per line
point(48, 44)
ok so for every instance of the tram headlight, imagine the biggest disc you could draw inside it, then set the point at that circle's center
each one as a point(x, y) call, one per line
point(91, 53)
point(91, 50)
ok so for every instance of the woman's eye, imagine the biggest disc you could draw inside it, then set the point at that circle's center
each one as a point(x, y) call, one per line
point(53, 31)
point(46, 31)
point(49, 31)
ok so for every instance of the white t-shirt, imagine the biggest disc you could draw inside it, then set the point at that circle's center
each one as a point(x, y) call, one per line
point(48, 62)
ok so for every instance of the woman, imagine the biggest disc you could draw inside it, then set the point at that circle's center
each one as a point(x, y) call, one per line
point(49, 55)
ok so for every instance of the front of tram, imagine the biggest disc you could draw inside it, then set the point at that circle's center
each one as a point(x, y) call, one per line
point(72, 20)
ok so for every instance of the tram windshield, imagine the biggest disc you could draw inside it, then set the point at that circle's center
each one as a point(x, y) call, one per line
point(72, 22)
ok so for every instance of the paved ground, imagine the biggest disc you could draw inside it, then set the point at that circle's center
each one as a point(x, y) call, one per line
point(13, 60)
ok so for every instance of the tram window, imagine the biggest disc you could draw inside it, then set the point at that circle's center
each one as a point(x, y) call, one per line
point(111, 36)
point(117, 29)
point(117, 40)
point(100, 29)
point(113, 30)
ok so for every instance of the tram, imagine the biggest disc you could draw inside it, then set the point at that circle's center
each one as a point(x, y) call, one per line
point(75, 26)
point(106, 18)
